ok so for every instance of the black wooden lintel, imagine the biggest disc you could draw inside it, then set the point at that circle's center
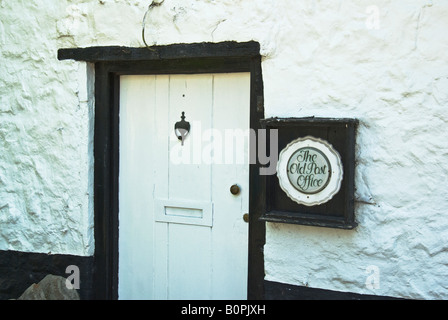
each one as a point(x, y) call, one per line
point(316, 121)
point(172, 51)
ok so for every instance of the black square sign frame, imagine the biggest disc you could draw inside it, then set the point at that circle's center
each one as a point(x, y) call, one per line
point(338, 212)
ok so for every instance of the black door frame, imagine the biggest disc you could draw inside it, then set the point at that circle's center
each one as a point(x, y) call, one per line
point(110, 63)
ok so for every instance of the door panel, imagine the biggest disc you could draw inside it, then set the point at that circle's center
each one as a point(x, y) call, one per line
point(181, 231)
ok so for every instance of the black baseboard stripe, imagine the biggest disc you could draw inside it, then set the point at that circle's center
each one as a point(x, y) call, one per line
point(282, 291)
point(19, 270)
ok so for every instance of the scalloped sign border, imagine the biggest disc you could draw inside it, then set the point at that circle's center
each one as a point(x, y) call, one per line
point(333, 185)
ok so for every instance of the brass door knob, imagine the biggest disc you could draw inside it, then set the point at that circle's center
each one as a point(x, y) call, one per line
point(246, 217)
point(234, 189)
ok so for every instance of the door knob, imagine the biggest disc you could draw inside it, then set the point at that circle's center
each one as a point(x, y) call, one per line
point(234, 189)
point(246, 217)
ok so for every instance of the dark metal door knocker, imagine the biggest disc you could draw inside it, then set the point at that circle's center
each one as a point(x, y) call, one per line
point(181, 128)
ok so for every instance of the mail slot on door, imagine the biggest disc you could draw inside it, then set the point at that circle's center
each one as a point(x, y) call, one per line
point(314, 180)
point(198, 213)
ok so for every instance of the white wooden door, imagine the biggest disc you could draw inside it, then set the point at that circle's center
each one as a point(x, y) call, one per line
point(181, 230)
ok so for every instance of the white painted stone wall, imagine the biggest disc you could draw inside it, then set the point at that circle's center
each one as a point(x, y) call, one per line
point(384, 62)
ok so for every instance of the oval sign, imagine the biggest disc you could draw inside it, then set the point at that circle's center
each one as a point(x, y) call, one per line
point(310, 171)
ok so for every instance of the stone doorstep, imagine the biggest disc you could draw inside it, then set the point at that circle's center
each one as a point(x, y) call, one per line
point(50, 288)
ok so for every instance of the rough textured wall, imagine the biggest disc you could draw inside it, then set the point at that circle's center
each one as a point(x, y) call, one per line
point(395, 80)
point(383, 62)
point(45, 205)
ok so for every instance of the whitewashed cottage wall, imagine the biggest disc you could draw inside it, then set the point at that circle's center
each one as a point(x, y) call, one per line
point(384, 62)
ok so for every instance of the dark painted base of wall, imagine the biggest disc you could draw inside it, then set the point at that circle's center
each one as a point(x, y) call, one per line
point(19, 270)
point(281, 291)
